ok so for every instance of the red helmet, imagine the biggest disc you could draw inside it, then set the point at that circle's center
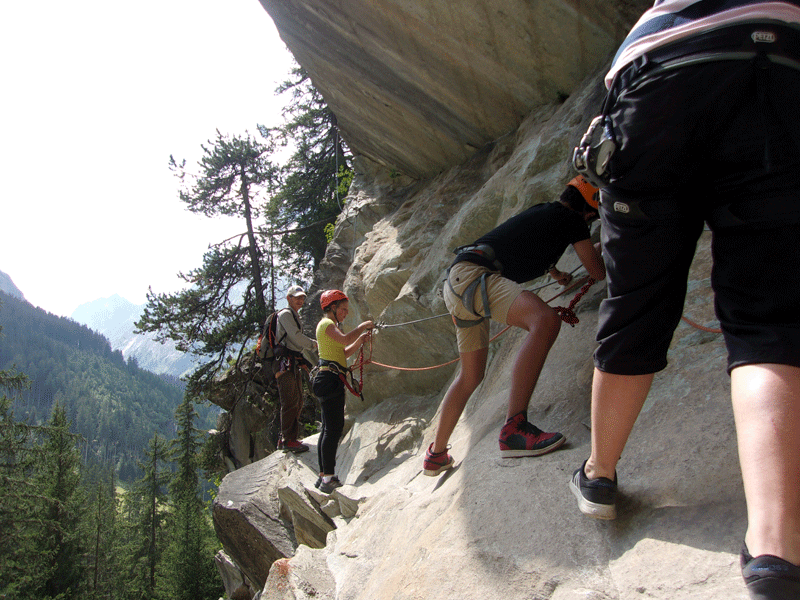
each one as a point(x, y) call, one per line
point(329, 297)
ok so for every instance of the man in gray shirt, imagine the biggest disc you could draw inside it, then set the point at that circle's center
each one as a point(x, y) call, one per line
point(289, 360)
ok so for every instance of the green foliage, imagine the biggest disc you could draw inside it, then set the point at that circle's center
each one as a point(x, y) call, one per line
point(188, 571)
point(315, 179)
point(112, 404)
point(224, 303)
point(329, 229)
point(60, 541)
point(65, 534)
point(40, 516)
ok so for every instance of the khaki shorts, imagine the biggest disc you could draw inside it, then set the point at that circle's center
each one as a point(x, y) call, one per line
point(501, 292)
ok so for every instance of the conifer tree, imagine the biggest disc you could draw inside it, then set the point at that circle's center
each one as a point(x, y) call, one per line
point(22, 569)
point(58, 473)
point(224, 305)
point(316, 177)
point(144, 522)
point(103, 533)
point(188, 571)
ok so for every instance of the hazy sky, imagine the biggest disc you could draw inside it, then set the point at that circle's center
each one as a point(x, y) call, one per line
point(94, 97)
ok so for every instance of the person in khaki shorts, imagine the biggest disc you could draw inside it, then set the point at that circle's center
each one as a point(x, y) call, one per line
point(483, 283)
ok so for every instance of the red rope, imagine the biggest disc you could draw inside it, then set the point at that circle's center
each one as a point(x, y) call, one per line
point(700, 327)
point(572, 304)
point(567, 313)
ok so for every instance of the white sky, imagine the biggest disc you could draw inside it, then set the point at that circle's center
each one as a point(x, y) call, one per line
point(94, 97)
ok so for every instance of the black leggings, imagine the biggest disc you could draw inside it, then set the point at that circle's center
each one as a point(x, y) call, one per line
point(332, 427)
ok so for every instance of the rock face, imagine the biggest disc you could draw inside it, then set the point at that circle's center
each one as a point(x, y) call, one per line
point(512, 525)
point(419, 86)
point(491, 527)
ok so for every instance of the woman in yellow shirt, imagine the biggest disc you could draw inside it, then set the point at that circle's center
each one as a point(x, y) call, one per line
point(334, 348)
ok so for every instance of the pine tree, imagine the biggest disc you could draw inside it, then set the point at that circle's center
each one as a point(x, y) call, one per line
point(22, 569)
point(316, 178)
point(144, 515)
point(224, 305)
point(188, 567)
point(103, 533)
point(58, 473)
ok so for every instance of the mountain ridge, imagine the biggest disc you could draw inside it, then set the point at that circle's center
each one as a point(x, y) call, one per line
point(115, 317)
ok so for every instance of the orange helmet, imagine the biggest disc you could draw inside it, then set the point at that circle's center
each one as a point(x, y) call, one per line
point(329, 297)
point(586, 189)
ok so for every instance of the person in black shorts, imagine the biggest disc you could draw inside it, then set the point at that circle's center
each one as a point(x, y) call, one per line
point(703, 107)
point(484, 282)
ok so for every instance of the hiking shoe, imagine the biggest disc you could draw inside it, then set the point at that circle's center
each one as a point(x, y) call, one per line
point(327, 488)
point(294, 446)
point(436, 463)
point(520, 438)
point(770, 578)
point(596, 497)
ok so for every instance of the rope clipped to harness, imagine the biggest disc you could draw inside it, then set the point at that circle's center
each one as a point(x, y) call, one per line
point(357, 385)
point(567, 313)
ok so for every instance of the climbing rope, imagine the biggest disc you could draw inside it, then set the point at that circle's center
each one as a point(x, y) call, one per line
point(567, 313)
point(700, 327)
point(360, 362)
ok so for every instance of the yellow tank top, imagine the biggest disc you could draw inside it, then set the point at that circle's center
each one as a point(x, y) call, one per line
point(328, 348)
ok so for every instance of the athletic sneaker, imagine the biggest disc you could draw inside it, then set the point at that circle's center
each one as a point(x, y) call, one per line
point(770, 578)
point(596, 497)
point(327, 488)
point(520, 438)
point(294, 446)
point(435, 463)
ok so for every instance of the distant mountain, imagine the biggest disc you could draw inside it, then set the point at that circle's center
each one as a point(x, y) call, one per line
point(115, 317)
point(7, 286)
point(113, 403)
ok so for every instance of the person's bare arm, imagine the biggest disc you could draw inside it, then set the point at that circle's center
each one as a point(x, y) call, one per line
point(345, 339)
point(591, 258)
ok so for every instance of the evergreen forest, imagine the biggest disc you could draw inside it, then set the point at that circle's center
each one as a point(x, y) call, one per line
point(101, 461)
point(114, 406)
point(68, 530)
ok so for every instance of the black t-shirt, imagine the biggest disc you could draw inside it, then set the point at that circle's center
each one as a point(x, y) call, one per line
point(528, 243)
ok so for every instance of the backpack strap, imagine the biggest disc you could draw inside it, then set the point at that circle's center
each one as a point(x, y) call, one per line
point(285, 333)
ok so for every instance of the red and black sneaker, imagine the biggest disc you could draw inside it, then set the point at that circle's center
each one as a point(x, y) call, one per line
point(520, 438)
point(436, 463)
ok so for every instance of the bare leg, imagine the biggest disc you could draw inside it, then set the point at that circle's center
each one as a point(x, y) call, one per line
point(616, 403)
point(473, 365)
point(542, 323)
point(766, 407)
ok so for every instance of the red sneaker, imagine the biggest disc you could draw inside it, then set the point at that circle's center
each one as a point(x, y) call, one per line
point(436, 463)
point(520, 438)
point(295, 446)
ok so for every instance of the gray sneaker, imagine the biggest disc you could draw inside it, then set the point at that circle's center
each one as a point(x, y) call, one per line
point(327, 488)
point(596, 497)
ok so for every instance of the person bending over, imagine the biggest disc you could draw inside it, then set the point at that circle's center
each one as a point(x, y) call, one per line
point(483, 283)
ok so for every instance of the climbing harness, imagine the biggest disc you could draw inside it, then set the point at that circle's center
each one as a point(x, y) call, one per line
point(356, 386)
point(468, 300)
point(481, 254)
point(455, 360)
